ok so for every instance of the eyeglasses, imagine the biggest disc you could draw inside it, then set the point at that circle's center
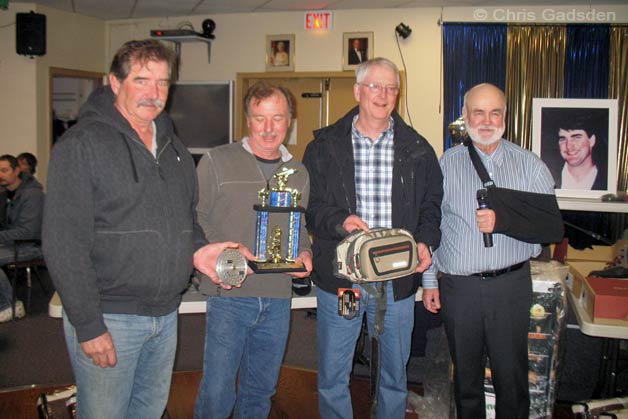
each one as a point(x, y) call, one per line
point(378, 89)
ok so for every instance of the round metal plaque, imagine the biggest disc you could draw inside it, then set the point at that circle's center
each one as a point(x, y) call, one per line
point(231, 267)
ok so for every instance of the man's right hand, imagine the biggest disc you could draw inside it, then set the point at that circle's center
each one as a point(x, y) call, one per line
point(353, 222)
point(101, 350)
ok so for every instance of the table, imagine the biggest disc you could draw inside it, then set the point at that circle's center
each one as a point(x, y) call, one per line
point(592, 205)
point(612, 335)
point(193, 302)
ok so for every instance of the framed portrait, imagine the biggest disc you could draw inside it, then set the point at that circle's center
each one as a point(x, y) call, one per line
point(280, 53)
point(577, 140)
point(357, 47)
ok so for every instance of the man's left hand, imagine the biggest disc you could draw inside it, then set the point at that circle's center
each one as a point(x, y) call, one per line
point(425, 258)
point(205, 259)
point(306, 258)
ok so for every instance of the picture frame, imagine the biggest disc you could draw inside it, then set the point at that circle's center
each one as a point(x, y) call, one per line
point(357, 47)
point(569, 135)
point(280, 52)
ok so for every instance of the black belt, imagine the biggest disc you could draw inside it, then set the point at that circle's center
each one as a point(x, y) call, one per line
point(498, 272)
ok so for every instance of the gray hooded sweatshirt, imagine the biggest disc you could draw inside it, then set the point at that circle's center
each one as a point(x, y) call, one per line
point(120, 225)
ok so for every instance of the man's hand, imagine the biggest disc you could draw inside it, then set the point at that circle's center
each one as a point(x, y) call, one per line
point(485, 219)
point(425, 258)
point(101, 350)
point(431, 300)
point(353, 222)
point(306, 258)
point(205, 259)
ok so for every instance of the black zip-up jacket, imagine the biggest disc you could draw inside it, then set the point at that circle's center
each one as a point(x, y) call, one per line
point(120, 225)
point(417, 192)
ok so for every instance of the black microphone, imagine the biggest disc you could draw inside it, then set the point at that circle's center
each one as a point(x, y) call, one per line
point(482, 197)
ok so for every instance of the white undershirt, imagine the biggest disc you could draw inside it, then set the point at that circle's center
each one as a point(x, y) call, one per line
point(569, 182)
point(153, 144)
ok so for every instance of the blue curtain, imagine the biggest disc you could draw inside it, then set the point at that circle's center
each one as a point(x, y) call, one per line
point(587, 61)
point(472, 54)
point(587, 67)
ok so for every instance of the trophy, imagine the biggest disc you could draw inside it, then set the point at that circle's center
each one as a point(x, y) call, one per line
point(270, 254)
point(458, 131)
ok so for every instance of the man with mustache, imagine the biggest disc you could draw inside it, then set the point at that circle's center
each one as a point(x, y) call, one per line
point(486, 292)
point(120, 237)
point(247, 326)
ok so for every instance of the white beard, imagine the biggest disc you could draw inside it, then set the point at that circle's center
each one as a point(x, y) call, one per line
point(475, 135)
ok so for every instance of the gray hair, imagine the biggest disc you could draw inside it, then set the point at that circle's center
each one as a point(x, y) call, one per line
point(362, 69)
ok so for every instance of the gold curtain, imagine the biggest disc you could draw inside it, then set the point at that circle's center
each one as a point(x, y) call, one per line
point(618, 89)
point(535, 68)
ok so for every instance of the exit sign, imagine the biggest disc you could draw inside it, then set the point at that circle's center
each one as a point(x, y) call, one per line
point(319, 19)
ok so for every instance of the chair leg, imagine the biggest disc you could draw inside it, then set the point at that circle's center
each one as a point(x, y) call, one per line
point(14, 297)
point(28, 285)
point(41, 282)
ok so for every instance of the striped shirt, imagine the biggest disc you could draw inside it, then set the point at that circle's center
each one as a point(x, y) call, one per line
point(373, 175)
point(462, 250)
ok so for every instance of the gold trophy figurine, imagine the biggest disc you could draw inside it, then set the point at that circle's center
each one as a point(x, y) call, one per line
point(275, 246)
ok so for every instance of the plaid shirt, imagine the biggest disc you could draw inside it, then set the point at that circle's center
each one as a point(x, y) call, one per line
point(373, 175)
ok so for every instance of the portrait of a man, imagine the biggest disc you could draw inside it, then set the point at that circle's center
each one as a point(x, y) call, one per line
point(358, 50)
point(574, 145)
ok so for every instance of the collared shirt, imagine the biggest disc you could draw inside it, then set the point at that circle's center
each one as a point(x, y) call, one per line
point(373, 175)
point(285, 154)
point(462, 250)
point(570, 182)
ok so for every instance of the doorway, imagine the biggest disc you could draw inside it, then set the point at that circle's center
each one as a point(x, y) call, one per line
point(321, 99)
point(69, 90)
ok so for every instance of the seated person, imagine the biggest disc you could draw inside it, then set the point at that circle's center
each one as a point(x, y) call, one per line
point(24, 210)
point(28, 163)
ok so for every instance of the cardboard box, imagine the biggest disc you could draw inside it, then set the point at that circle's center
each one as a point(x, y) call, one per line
point(595, 254)
point(580, 269)
point(606, 299)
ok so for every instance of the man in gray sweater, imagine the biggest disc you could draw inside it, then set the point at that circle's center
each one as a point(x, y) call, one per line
point(120, 237)
point(247, 326)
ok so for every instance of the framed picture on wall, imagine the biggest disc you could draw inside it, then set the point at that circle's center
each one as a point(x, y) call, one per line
point(280, 53)
point(357, 47)
point(577, 140)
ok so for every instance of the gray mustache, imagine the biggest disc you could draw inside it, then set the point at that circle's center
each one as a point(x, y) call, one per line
point(152, 102)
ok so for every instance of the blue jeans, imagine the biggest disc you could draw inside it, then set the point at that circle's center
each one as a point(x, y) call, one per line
point(7, 254)
point(139, 385)
point(337, 337)
point(248, 334)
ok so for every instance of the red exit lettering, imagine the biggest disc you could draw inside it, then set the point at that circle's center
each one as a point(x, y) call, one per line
point(318, 20)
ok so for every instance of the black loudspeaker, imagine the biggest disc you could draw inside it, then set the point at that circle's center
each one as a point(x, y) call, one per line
point(30, 33)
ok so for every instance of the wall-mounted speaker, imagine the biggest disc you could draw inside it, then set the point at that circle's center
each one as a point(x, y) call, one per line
point(30, 33)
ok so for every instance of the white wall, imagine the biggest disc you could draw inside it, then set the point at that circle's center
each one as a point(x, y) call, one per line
point(73, 42)
point(240, 45)
point(18, 97)
point(87, 44)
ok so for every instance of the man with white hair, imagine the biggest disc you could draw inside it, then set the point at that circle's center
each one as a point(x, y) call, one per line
point(368, 170)
point(485, 283)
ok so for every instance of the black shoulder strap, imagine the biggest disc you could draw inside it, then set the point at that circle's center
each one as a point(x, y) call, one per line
point(479, 167)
